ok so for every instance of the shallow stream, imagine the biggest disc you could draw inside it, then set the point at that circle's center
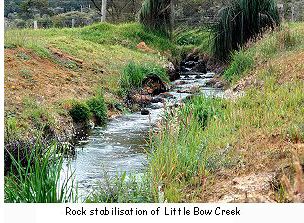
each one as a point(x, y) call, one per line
point(121, 145)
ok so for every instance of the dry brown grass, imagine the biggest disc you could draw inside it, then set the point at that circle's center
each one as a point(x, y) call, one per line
point(294, 192)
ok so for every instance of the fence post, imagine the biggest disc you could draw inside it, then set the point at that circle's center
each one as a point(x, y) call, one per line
point(5, 24)
point(73, 23)
point(103, 10)
point(35, 25)
point(292, 13)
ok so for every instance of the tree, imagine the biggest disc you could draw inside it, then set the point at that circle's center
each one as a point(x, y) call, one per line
point(29, 7)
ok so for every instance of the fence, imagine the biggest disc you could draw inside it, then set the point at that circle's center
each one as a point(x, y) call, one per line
point(197, 15)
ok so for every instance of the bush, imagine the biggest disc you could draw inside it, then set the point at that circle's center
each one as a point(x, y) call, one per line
point(98, 108)
point(80, 112)
point(134, 74)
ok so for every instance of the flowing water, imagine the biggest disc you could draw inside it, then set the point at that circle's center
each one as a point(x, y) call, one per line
point(122, 144)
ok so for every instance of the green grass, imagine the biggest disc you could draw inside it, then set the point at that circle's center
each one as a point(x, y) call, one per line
point(38, 181)
point(287, 38)
point(104, 46)
point(206, 135)
point(199, 38)
point(180, 153)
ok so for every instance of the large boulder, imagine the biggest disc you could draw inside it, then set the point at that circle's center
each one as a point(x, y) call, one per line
point(153, 85)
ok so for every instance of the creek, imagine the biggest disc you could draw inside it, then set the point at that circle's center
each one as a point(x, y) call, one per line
point(121, 145)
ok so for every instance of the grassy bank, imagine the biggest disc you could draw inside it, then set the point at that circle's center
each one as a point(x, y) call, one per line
point(209, 147)
point(47, 71)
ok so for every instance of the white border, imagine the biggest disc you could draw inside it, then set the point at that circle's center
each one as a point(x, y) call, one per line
point(249, 213)
point(2, 108)
point(50, 213)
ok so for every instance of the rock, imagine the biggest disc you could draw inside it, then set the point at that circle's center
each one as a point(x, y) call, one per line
point(180, 91)
point(166, 95)
point(143, 47)
point(194, 89)
point(145, 112)
point(193, 73)
point(219, 84)
point(211, 82)
point(172, 72)
point(184, 69)
point(190, 64)
point(170, 67)
point(192, 57)
point(157, 100)
point(214, 83)
point(141, 99)
point(180, 83)
point(198, 77)
point(200, 67)
point(153, 85)
point(209, 75)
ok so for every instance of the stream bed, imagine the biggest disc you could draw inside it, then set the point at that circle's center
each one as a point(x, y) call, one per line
point(121, 145)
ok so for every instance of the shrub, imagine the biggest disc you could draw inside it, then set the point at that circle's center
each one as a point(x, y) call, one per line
point(98, 108)
point(80, 112)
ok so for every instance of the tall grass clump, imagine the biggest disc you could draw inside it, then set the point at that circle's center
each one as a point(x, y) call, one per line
point(179, 152)
point(36, 176)
point(241, 61)
point(123, 189)
point(133, 75)
point(156, 16)
point(241, 21)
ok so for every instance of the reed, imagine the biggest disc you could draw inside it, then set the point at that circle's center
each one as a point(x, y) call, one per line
point(241, 21)
point(156, 16)
point(36, 177)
